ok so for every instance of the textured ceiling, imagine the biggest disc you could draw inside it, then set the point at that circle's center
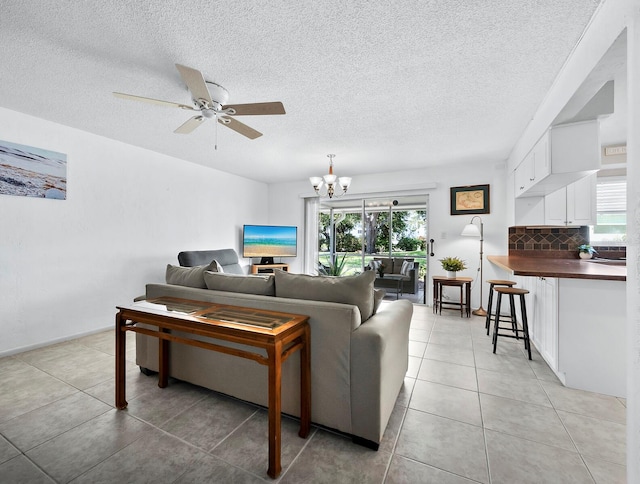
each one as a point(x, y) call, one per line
point(385, 85)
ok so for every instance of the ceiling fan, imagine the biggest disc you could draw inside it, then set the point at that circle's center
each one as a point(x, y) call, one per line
point(209, 100)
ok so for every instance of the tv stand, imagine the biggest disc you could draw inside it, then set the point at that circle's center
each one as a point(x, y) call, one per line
point(267, 268)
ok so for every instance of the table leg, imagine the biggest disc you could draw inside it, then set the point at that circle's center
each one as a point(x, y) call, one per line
point(424, 290)
point(434, 309)
point(163, 361)
point(275, 402)
point(468, 286)
point(121, 349)
point(305, 384)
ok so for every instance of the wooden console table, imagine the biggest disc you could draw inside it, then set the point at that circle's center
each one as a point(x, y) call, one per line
point(267, 268)
point(279, 334)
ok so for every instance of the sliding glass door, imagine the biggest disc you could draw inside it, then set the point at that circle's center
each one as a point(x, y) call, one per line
point(352, 232)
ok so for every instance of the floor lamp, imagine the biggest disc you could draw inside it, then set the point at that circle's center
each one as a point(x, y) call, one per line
point(472, 230)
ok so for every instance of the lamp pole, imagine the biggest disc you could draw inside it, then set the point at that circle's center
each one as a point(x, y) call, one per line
point(480, 311)
point(471, 230)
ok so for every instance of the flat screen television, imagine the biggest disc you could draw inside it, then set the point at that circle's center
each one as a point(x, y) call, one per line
point(269, 241)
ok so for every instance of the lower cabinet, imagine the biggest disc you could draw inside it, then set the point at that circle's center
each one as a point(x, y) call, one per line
point(579, 328)
point(542, 313)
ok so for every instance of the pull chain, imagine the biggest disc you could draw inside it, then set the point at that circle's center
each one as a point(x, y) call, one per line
point(216, 141)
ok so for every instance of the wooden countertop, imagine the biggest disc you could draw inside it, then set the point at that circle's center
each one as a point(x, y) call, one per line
point(563, 268)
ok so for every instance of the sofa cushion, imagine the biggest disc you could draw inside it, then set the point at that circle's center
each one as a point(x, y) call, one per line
point(188, 276)
point(253, 284)
point(355, 290)
point(227, 258)
point(386, 262)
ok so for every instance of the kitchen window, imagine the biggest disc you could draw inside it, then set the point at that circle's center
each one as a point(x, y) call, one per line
point(611, 199)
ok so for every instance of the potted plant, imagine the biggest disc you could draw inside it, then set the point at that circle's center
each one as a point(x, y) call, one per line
point(380, 270)
point(585, 251)
point(452, 265)
point(333, 268)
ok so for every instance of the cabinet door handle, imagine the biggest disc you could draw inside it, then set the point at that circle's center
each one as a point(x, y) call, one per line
point(522, 188)
point(531, 179)
point(431, 241)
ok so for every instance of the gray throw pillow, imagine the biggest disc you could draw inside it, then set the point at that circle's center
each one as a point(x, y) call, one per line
point(356, 290)
point(188, 276)
point(253, 284)
point(407, 265)
point(215, 266)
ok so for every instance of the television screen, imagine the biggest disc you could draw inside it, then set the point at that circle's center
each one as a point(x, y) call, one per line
point(269, 241)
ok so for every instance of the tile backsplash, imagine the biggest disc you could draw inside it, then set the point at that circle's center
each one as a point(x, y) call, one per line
point(611, 252)
point(552, 242)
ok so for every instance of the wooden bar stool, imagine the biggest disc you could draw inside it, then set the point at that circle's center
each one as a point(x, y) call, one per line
point(512, 291)
point(492, 284)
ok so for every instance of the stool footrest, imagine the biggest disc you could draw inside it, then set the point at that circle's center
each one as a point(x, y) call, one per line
point(502, 335)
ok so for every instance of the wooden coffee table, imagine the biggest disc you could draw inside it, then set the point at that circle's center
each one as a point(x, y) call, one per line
point(279, 334)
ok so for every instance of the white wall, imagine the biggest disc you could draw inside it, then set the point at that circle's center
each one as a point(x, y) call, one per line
point(66, 264)
point(286, 206)
point(633, 249)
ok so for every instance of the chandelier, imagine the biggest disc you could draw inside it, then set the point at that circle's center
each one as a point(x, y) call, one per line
point(330, 181)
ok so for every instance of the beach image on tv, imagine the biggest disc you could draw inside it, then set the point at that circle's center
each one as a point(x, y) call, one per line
point(265, 240)
point(32, 172)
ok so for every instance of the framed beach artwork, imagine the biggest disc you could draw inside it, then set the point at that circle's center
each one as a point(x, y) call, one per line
point(28, 171)
point(469, 200)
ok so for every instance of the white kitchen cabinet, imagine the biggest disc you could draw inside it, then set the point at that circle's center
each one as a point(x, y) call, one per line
point(534, 168)
point(574, 204)
point(563, 155)
point(546, 333)
point(542, 315)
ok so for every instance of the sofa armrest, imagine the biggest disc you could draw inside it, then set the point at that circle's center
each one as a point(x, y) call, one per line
point(379, 362)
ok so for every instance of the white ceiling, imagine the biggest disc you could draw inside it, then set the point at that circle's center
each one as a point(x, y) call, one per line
point(385, 85)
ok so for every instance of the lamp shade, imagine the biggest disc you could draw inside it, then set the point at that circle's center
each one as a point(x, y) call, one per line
point(344, 182)
point(316, 181)
point(471, 230)
point(330, 179)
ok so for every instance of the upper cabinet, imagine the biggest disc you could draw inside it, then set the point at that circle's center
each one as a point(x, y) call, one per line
point(574, 204)
point(563, 155)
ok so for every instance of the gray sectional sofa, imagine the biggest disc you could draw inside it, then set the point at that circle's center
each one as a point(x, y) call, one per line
point(393, 266)
point(359, 353)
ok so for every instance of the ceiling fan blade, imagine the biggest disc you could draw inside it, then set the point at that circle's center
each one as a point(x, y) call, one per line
point(239, 127)
point(256, 109)
point(152, 101)
point(190, 125)
point(194, 80)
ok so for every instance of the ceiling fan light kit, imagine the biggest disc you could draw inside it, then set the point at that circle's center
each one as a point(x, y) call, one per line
point(210, 98)
point(329, 182)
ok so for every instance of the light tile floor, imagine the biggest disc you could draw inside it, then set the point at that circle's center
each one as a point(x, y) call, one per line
point(464, 415)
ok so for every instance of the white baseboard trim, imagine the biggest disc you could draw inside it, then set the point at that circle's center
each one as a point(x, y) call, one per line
point(23, 349)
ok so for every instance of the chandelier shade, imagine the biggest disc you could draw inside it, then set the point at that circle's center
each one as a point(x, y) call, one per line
point(328, 181)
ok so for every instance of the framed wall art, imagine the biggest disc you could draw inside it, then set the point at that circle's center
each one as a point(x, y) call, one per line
point(470, 200)
point(28, 171)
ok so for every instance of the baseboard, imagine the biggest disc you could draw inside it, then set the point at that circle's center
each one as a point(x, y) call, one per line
point(22, 349)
